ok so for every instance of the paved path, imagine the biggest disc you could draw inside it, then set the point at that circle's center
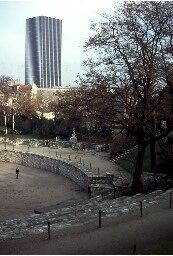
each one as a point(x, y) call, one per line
point(89, 159)
point(117, 236)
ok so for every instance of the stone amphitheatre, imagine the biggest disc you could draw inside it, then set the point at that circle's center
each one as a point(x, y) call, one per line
point(53, 189)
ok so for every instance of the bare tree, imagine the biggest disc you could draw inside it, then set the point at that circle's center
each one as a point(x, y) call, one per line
point(132, 54)
point(4, 80)
point(15, 102)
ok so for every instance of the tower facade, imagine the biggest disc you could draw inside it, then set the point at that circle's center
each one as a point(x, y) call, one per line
point(43, 51)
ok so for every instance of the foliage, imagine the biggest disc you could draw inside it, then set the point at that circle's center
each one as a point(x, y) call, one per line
point(4, 80)
point(166, 154)
point(131, 57)
point(74, 108)
point(121, 143)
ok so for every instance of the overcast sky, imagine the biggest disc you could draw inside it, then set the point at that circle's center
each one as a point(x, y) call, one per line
point(76, 16)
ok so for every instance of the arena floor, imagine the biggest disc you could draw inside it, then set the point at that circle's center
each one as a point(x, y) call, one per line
point(32, 190)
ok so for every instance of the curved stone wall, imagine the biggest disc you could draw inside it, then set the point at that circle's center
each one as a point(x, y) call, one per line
point(46, 163)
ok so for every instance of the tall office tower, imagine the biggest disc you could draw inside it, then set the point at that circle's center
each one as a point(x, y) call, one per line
point(43, 51)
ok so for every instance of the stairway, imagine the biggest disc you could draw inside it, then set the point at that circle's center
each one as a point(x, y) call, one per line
point(77, 212)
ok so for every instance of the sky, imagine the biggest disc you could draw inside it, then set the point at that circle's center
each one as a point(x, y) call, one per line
point(76, 16)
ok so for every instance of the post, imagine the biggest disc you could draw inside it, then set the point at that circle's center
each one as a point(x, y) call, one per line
point(5, 121)
point(83, 162)
point(56, 153)
point(134, 249)
point(48, 226)
point(13, 123)
point(170, 200)
point(90, 166)
point(98, 171)
point(114, 192)
point(141, 208)
point(80, 160)
point(100, 218)
point(69, 157)
point(89, 191)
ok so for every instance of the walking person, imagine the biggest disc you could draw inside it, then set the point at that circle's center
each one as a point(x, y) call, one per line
point(17, 173)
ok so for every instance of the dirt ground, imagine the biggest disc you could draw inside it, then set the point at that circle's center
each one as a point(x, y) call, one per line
point(32, 190)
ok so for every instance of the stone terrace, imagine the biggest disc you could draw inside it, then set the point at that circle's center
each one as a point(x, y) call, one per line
point(81, 212)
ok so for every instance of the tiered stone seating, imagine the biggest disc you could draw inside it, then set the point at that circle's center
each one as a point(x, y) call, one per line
point(77, 212)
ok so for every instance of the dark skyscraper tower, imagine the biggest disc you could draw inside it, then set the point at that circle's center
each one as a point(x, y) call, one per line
point(43, 52)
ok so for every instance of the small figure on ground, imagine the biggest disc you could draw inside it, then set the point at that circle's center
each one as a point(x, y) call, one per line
point(17, 173)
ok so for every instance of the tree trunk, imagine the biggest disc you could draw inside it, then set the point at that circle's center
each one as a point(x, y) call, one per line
point(137, 184)
point(153, 144)
point(152, 154)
